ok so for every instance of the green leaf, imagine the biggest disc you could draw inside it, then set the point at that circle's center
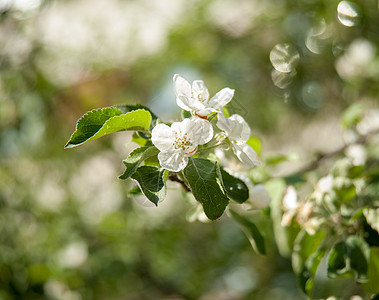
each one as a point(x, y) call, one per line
point(186, 114)
point(136, 138)
point(125, 108)
point(344, 188)
point(100, 122)
point(359, 255)
point(135, 191)
point(135, 158)
point(235, 188)
point(203, 177)
point(150, 180)
point(255, 143)
point(372, 286)
point(372, 217)
point(304, 246)
point(308, 274)
point(306, 257)
point(349, 258)
point(337, 260)
point(255, 237)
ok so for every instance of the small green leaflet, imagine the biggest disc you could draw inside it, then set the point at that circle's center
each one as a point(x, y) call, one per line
point(151, 182)
point(235, 188)
point(203, 177)
point(100, 122)
point(255, 237)
point(135, 158)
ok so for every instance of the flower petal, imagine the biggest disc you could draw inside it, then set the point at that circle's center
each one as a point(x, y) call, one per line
point(183, 92)
point(245, 154)
point(162, 137)
point(173, 161)
point(205, 111)
point(222, 98)
point(200, 131)
point(235, 127)
point(200, 91)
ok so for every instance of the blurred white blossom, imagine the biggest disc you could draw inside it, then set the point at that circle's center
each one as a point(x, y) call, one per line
point(357, 60)
point(73, 255)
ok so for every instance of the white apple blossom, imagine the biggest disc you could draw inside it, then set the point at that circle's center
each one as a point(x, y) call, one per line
point(196, 98)
point(238, 133)
point(180, 141)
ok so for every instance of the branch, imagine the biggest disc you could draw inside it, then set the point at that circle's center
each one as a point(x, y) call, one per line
point(320, 157)
point(174, 177)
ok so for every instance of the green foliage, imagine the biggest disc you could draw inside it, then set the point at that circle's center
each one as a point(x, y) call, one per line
point(58, 207)
point(204, 179)
point(235, 188)
point(372, 217)
point(349, 258)
point(135, 158)
point(100, 122)
point(373, 272)
point(255, 143)
point(255, 236)
point(151, 182)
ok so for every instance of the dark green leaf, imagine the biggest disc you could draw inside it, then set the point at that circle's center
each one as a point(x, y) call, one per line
point(135, 191)
point(235, 188)
point(151, 183)
point(337, 260)
point(255, 237)
point(359, 255)
point(135, 158)
point(348, 258)
point(100, 122)
point(186, 114)
point(203, 177)
point(372, 285)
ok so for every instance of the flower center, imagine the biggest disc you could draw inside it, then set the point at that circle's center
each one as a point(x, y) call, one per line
point(200, 96)
point(183, 142)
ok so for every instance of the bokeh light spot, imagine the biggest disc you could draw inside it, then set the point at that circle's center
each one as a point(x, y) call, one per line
point(348, 13)
point(284, 57)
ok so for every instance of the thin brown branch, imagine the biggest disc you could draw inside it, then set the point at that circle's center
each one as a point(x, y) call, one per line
point(174, 177)
point(320, 157)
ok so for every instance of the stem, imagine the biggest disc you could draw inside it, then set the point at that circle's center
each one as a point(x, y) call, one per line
point(174, 177)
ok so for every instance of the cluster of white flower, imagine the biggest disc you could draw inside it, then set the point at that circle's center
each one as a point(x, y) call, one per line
point(181, 140)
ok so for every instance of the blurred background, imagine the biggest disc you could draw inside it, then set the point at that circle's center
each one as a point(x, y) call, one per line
point(68, 230)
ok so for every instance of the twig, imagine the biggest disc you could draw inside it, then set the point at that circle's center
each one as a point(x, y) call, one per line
point(174, 177)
